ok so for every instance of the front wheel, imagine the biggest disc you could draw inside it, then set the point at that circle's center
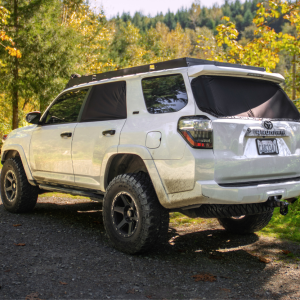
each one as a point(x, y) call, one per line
point(246, 224)
point(133, 218)
point(18, 195)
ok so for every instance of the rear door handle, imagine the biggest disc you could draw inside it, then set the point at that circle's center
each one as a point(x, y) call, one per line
point(108, 132)
point(66, 134)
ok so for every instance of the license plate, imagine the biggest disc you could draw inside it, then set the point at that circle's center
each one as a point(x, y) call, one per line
point(267, 146)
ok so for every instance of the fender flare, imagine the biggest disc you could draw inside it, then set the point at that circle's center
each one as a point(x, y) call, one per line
point(21, 152)
point(145, 155)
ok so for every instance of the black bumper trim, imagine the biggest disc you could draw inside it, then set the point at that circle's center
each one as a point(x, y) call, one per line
point(253, 183)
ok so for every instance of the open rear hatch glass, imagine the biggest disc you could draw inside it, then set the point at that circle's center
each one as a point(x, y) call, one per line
point(256, 133)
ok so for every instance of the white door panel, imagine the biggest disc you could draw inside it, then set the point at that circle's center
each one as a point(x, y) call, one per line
point(50, 153)
point(88, 149)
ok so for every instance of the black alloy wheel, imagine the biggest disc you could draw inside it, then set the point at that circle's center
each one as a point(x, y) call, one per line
point(17, 194)
point(10, 185)
point(124, 214)
point(133, 218)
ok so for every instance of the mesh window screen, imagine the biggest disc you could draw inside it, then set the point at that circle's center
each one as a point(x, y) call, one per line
point(106, 102)
point(242, 97)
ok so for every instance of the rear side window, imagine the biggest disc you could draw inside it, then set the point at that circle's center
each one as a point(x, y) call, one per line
point(66, 108)
point(242, 97)
point(106, 102)
point(164, 94)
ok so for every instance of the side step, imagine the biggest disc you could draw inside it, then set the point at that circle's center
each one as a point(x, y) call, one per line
point(92, 196)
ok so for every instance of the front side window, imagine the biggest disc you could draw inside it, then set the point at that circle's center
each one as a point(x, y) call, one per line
point(164, 94)
point(66, 108)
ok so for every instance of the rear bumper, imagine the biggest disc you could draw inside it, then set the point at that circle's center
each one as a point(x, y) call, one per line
point(209, 192)
point(250, 194)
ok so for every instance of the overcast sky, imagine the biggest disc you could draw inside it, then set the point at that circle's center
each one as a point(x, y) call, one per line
point(112, 7)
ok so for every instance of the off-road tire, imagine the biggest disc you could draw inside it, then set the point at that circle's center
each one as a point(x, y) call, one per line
point(153, 222)
point(246, 224)
point(25, 194)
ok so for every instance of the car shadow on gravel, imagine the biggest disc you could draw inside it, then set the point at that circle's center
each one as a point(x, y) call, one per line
point(67, 255)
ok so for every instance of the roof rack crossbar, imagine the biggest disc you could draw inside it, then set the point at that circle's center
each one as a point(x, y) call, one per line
point(169, 64)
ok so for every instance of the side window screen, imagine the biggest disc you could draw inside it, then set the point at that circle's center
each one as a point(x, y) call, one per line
point(106, 101)
point(66, 108)
point(164, 94)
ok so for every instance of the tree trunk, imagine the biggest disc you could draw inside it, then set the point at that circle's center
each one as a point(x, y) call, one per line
point(15, 96)
point(294, 78)
point(15, 92)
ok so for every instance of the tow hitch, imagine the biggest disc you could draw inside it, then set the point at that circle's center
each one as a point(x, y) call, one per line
point(274, 201)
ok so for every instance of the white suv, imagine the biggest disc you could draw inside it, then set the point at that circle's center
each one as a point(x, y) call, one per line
point(208, 139)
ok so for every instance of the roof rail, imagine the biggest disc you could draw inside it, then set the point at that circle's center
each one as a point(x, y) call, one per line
point(169, 64)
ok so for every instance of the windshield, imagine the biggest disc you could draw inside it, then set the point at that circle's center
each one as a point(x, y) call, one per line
point(242, 97)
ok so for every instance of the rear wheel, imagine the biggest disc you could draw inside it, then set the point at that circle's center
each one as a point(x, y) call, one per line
point(246, 224)
point(133, 218)
point(18, 195)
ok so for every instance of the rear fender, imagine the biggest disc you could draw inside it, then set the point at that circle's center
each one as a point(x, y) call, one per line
point(145, 155)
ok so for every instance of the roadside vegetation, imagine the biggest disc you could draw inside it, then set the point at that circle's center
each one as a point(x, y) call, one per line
point(43, 42)
point(285, 227)
point(281, 227)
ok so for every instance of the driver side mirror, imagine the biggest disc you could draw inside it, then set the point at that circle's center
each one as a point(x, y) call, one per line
point(33, 117)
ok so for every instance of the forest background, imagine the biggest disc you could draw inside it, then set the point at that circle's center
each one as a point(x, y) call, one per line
point(42, 42)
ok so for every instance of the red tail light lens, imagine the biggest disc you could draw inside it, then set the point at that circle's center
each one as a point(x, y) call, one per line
point(197, 131)
point(4, 137)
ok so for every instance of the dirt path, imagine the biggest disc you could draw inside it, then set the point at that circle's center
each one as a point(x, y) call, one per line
point(66, 255)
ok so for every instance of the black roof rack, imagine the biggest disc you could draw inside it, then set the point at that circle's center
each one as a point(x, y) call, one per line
point(169, 64)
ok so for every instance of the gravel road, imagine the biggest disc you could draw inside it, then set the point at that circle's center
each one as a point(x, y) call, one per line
point(60, 251)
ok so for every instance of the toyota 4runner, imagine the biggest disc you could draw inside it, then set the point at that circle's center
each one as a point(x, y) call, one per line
point(208, 139)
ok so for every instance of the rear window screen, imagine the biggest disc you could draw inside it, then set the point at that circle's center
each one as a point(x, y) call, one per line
point(243, 97)
point(106, 102)
point(164, 94)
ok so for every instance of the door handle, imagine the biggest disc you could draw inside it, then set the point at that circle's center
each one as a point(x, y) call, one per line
point(66, 134)
point(108, 132)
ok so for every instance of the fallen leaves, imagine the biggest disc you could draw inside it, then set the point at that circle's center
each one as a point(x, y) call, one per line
point(225, 290)
point(286, 252)
point(17, 225)
point(264, 259)
point(33, 296)
point(207, 277)
point(63, 283)
point(20, 244)
point(130, 291)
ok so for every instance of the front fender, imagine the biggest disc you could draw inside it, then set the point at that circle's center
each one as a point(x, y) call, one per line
point(20, 150)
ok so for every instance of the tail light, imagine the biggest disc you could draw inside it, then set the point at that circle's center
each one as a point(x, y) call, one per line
point(4, 137)
point(197, 131)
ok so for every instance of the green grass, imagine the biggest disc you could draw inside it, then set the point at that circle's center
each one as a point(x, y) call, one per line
point(285, 227)
point(62, 195)
point(177, 219)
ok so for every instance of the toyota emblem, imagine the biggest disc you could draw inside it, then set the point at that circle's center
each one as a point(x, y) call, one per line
point(268, 125)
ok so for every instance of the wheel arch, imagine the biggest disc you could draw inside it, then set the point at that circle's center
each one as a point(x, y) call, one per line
point(17, 151)
point(134, 163)
point(123, 163)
